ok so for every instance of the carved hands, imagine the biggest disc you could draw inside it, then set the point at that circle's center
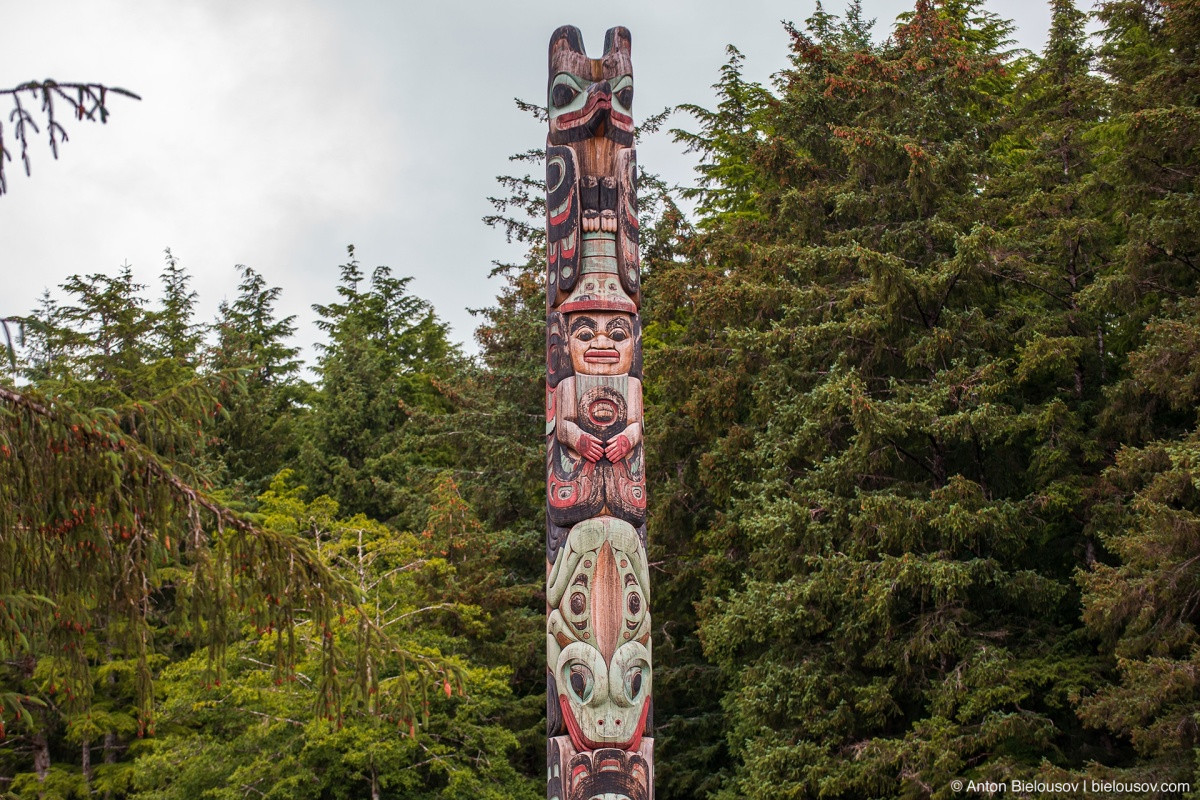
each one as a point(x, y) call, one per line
point(593, 449)
point(589, 447)
point(617, 448)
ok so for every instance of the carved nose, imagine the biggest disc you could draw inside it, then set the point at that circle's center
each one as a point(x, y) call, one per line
point(602, 90)
point(607, 598)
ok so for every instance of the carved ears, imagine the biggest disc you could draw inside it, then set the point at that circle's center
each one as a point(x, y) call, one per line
point(616, 40)
point(568, 37)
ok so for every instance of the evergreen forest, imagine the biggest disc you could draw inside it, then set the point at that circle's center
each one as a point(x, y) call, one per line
point(922, 358)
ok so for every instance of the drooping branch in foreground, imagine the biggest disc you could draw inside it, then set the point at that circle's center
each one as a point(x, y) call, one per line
point(100, 525)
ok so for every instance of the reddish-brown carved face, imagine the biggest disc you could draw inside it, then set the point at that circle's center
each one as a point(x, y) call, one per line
point(601, 342)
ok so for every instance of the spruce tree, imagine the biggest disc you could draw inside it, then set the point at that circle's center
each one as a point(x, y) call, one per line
point(116, 557)
point(257, 433)
point(886, 603)
point(1140, 596)
point(178, 337)
point(386, 353)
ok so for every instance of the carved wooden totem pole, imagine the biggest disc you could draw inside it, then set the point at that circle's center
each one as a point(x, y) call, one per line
point(598, 678)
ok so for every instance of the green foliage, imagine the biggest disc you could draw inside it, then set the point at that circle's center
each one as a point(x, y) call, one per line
point(1140, 600)
point(922, 372)
point(254, 732)
point(118, 559)
point(106, 549)
point(256, 432)
point(385, 355)
point(496, 433)
point(895, 361)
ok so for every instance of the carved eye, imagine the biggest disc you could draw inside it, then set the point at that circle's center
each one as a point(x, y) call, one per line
point(585, 335)
point(578, 603)
point(618, 335)
point(633, 683)
point(562, 95)
point(635, 605)
point(582, 682)
point(625, 97)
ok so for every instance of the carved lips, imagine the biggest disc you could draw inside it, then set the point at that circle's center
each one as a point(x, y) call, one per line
point(606, 356)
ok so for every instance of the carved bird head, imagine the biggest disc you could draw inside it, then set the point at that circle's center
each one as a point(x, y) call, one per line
point(590, 97)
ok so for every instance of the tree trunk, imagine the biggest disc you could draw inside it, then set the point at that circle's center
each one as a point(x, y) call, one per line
point(85, 762)
point(41, 755)
point(111, 742)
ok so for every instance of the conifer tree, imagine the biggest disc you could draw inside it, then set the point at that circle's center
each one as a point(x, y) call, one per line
point(178, 337)
point(386, 352)
point(111, 336)
point(115, 556)
point(493, 428)
point(495, 431)
point(1140, 598)
point(884, 607)
point(257, 432)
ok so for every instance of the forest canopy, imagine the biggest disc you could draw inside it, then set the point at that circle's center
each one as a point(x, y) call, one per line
point(922, 371)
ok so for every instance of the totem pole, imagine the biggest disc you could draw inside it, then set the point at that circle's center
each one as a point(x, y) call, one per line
point(598, 680)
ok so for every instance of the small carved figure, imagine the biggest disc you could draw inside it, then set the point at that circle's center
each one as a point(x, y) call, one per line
point(595, 454)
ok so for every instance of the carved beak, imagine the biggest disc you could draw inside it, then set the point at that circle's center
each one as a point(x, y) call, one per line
point(598, 105)
point(601, 91)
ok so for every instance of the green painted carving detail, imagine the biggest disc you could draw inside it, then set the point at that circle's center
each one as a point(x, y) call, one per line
point(599, 252)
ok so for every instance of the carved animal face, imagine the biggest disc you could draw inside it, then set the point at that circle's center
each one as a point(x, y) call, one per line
point(598, 634)
point(602, 601)
point(608, 774)
point(604, 703)
point(601, 343)
point(590, 97)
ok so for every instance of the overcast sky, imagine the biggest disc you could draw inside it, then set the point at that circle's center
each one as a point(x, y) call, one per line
point(275, 132)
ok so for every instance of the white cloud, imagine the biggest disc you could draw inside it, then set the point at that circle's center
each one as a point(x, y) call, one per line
point(275, 132)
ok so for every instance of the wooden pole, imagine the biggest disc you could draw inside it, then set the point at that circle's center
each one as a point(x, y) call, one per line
point(598, 679)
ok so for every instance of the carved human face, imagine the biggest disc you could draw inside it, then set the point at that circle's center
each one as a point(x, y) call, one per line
point(601, 342)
